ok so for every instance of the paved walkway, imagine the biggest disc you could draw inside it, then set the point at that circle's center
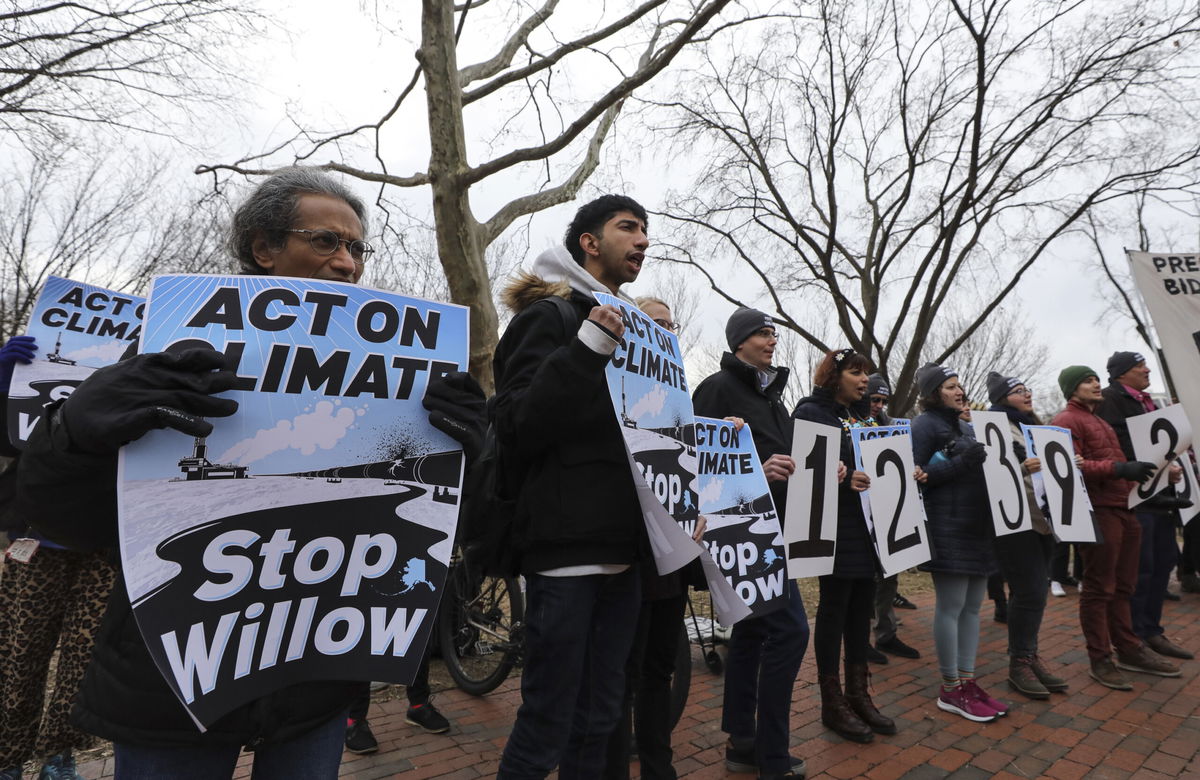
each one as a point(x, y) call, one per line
point(1150, 732)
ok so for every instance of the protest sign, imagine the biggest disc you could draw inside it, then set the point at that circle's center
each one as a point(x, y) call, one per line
point(893, 504)
point(1170, 286)
point(1002, 472)
point(650, 397)
point(1188, 489)
point(79, 328)
point(1158, 437)
point(743, 534)
point(810, 525)
point(307, 537)
point(1061, 483)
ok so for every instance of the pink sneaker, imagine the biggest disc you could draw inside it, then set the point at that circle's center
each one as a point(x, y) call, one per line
point(972, 689)
point(957, 701)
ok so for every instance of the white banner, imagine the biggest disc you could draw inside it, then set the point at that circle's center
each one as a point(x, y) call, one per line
point(1158, 437)
point(1170, 286)
point(1070, 509)
point(896, 508)
point(810, 524)
point(1002, 470)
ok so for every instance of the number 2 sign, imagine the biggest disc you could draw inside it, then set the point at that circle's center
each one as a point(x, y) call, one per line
point(897, 513)
point(1158, 437)
point(1002, 472)
point(1070, 508)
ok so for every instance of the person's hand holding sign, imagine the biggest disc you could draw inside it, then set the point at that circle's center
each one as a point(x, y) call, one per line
point(859, 481)
point(608, 317)
point(779, 467)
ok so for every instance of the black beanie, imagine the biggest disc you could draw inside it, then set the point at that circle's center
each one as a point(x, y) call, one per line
point(877, 385)
point(999, 387)
point(930, 377)
point(1120, 362)
point(742, 325)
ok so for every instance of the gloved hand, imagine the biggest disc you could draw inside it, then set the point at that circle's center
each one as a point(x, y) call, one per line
point(972, 452)
point(122, 402)
point(18, 349)
point(457, 408)
point(1136, 470)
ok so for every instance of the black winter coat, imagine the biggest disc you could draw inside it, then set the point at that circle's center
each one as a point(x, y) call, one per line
point(956, 505)
point(71, 498)
point(734, 391)
point(576, 501)
point(1116, 409)
point(855, 555)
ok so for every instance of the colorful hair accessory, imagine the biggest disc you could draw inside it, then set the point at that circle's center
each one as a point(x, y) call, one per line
point(841, 355)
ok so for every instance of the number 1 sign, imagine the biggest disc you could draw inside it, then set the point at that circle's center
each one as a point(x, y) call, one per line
point(810, 524)
point(1070, 508)
point(1002, 471)
point(896, 508)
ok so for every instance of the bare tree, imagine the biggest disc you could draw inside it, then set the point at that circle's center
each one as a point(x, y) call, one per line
point(530, 86)
point(872, 167)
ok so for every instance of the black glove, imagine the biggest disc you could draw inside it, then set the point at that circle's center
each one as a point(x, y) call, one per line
point(1136, 470)
point(122, 402)
point(972, 452)
point(457, 408)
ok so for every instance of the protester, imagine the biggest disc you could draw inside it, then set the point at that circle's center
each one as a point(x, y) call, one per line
point(1061, 566)
point(360, 739)
point(578, 526)
point(1024, 557)
point(764, 652)
point(847, 595)
point(887, 597)
point(67, 489)
point(1110, 568)
point(960, 532)
point(1125, 397)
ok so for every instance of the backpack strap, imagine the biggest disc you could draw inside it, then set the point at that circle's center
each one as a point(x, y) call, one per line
point(570, 319)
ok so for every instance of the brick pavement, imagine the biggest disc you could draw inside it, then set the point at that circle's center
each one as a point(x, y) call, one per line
point(1150, 732)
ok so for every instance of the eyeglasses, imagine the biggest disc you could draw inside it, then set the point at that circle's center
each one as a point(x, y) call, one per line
point(1020, 391)
point(326, 242)
point(879, 399)
point(664, 323)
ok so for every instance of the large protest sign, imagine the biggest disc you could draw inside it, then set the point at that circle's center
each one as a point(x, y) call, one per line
point(1002, 472)
point(1188, 489)
point(79, 328)
point(892, 505)
point(1158, 437)
point(743, 534)
point(810, 525)
point(650, 398)
point(1170, 286)
point(1060, 482)
point(307, 537)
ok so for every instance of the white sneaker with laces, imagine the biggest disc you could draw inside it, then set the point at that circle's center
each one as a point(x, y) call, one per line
point(1056, 588)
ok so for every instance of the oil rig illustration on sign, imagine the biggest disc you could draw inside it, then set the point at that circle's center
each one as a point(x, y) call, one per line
point(56, 355)
point(198, 466)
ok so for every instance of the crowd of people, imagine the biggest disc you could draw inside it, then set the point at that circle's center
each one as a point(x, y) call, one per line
point(601, 625)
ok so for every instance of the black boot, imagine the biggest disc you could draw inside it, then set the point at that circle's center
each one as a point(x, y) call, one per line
point(836, 713)
point(859, 697)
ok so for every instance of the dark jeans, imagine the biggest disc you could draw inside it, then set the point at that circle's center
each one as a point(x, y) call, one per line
point(843, 620)
point(578, 634)
point(1110, 573)
point(312, 756)
point(418, 692)
point(760, 670)
point(1189, 559)
point(1158, 559)
point(885, 608)
point(1060, 562)
point(1024, 560)
point(648, 689)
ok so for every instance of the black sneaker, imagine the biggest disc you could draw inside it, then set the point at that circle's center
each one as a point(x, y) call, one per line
point(359, 738)
point(898, 648)
point(743, 760)
point(902, 603)
point(876, 657)
point(427, 717)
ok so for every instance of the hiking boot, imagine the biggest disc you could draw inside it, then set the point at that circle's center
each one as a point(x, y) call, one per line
point(902, 603)
point(971, 688)
point(427, 717)
point(1105, 673)
point(1163, 646)
point(858, 695)
point(60, 767)
point(876, 657)
point(956, 701)
point(1190, 583)
point(1142, 660)
point(1023, 680)
point(836, 713)
point(1053, 682)
point(359, 738)
point(898, 648)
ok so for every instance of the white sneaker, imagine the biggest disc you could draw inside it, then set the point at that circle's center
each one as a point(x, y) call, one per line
point(1056, 588)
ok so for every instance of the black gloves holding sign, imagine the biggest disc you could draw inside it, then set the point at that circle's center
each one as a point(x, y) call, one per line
point(1136, 470)
point(457, 408)
point(122, 402)
point(972, 452)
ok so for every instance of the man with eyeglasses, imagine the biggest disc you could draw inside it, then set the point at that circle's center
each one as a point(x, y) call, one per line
point(299, 222)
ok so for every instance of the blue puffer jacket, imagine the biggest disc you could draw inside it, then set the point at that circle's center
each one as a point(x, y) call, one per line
point(956, 505)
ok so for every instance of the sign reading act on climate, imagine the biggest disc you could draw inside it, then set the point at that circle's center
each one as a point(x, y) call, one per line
point(307, 537)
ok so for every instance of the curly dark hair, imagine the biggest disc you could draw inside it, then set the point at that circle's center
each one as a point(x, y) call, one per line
point(591, 218)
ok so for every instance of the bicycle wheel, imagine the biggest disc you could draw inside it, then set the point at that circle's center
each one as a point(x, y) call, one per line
point(479, 628)
point(681, 680)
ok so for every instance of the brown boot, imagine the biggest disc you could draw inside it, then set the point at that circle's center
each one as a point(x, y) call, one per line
point(836, 713)
point(859, 697)
point(1024, 680)
point(1053, 682)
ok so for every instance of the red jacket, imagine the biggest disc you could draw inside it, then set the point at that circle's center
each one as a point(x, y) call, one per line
point(1097, 442)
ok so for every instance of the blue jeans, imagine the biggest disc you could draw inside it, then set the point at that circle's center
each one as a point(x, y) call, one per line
point(1158, 559)
point(578, 633)
point(764, 658)
point(314, 755)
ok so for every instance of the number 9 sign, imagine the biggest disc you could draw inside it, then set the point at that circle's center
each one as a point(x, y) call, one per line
point(1070, 508)
point(893, 500)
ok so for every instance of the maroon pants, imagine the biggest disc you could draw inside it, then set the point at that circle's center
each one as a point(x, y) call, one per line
point(1110, 572)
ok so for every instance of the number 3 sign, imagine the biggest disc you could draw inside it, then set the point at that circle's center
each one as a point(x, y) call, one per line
point(1002, 472)
point(1070, 508)
point(893, 499)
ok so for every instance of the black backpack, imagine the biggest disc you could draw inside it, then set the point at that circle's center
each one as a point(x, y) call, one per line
point(493, 487)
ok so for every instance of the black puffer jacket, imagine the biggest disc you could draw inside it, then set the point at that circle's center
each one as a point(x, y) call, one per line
point(855, 553)
point(71, 498)
point(956, 505)
point(735, 391)
point(576, 502)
